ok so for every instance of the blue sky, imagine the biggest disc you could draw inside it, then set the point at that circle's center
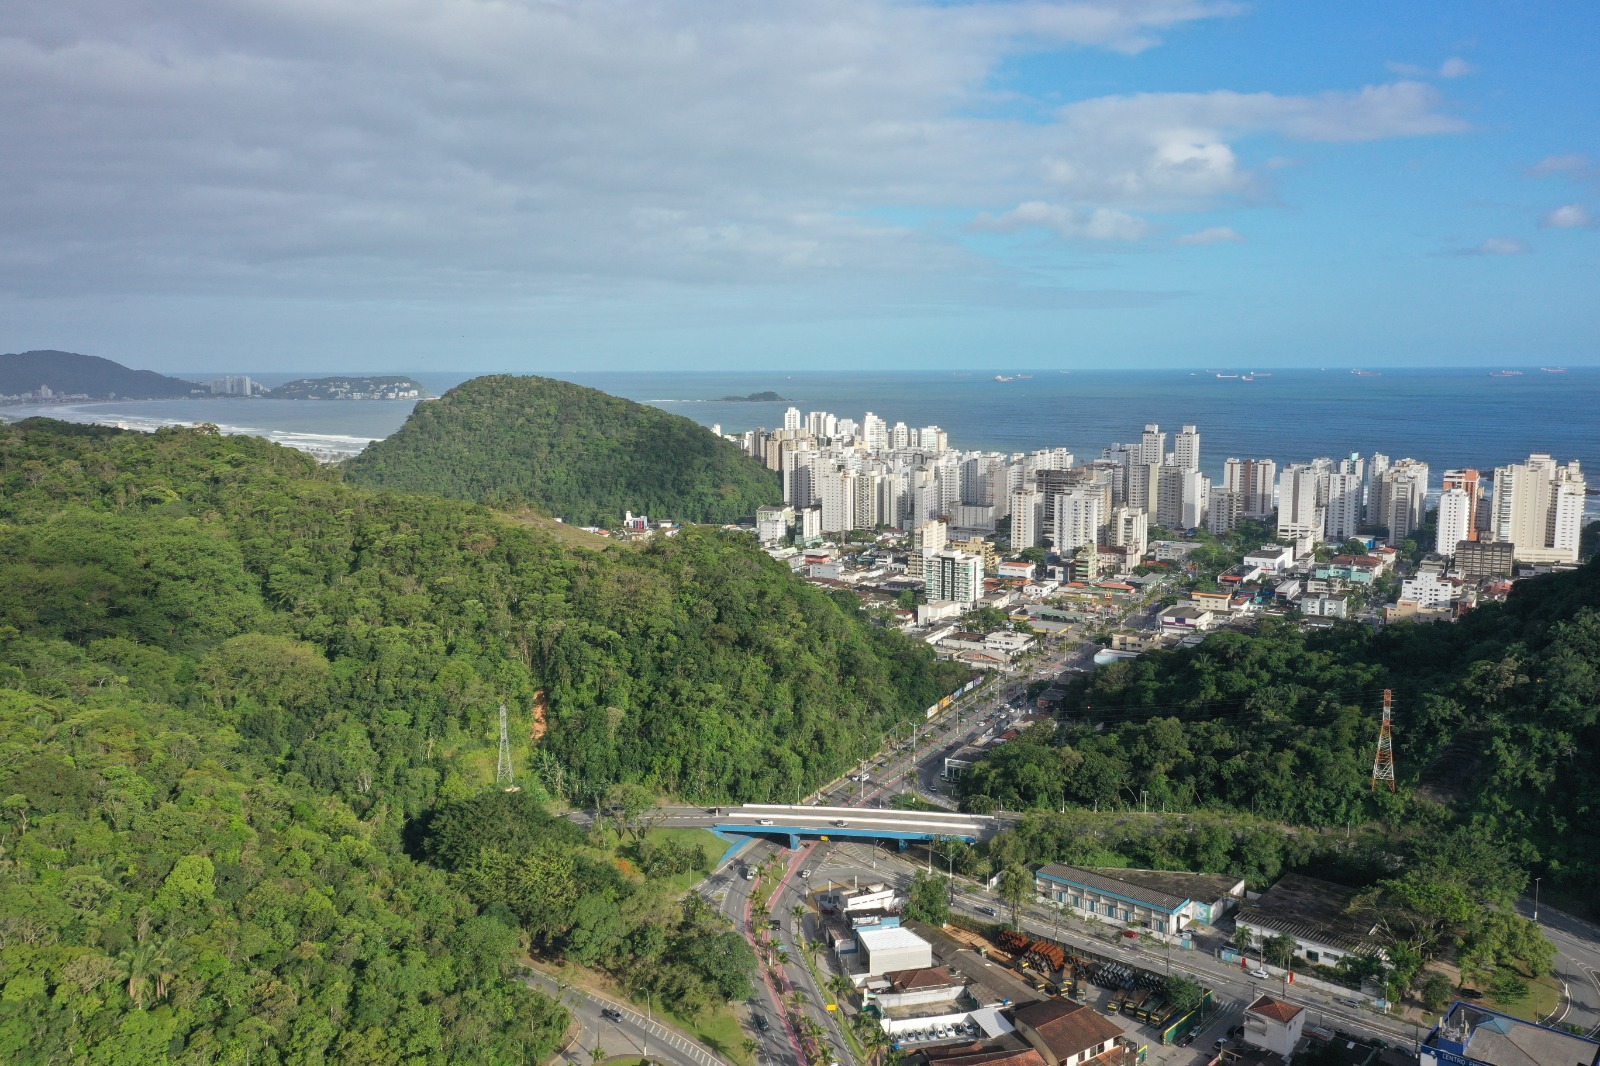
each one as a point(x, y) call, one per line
point(441, 184)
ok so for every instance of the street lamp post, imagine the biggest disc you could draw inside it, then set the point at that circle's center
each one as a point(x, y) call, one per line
point(1536, 881)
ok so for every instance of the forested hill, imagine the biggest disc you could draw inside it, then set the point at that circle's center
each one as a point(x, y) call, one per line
point(1497, 725)
point(89, 375)
point(579, 453)
point(229, 682)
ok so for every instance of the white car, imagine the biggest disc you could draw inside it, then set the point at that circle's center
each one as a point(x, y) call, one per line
point(1260, 971)
point(765, 821)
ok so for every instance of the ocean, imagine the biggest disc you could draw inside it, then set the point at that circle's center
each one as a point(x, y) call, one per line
point(1445, 417)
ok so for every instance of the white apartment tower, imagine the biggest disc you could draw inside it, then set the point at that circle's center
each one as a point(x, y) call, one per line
point(1344, 497)
point(1400, 496)
point(1455, 520)
point(1080, 515)
point(957, 576)
point(1153, 444)
point(1223, 510)
point(838, 492)
point(1538, 507)
point(791, 420)
point(1128, 528)
point(1186, 448)
point(874, 434)
point(1301, 518)
point(1027, 519)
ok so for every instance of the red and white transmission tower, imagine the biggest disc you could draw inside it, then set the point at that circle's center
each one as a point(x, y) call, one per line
point(1383, 761)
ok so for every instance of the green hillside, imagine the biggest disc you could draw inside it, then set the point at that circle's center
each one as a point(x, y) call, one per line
point(579, 453)
point(235, 692)
point(89, 375)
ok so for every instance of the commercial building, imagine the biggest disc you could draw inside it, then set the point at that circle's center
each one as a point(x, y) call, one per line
point(1158, 900)
point(1538, 508)
point(1316, 915)
point(895, 948)
point(1470, 1035)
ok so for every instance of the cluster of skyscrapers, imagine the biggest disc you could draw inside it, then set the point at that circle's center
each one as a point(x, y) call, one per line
point(840, 474)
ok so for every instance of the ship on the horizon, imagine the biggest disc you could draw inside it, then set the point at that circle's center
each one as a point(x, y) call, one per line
point(1002, 377)
point(1505, 373)
point(1554, 369)
point(1367, 373)
point(1227, 375)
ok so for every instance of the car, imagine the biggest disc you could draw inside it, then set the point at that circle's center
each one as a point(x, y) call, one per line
point(774, 923)
point(762, 1023)
point(764, 821)
point(990, 911)
point(1260, 971)
point(611, 1014)
point(805, 873)
point(1350, 1002)
point(839, 823)
point(713, 810)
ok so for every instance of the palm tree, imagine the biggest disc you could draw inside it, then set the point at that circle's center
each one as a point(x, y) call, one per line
point(597, 1055)
point(841, 987)
point(142, 960)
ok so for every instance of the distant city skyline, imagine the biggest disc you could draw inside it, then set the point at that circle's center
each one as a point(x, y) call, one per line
point(427, 185)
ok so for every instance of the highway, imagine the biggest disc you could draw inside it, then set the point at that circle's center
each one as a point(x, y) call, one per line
point(627, 1033)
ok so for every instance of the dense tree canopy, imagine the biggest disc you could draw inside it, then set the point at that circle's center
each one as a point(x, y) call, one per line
point(234, 690)
point(578, 453)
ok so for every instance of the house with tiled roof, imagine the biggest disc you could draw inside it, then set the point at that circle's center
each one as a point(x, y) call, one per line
point(1070, 1034)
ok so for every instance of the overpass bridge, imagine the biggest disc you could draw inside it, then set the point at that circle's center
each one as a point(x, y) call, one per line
point(848, 823)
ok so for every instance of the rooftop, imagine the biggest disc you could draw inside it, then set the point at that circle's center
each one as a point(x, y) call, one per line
point(1312, 910)
point(1106, 882)
point(1276, 1009)
point(878, 939)
point(1067, 1029)
point(1500, 1040)
point(923, 977)
point(1181, 883)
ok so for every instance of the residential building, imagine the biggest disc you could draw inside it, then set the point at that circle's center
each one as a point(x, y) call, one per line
point(983, 549)
point(1129, 528)
point(1273, 1025)
point(1223, 511)
point(1454, 524)
point(1027, 518)
point(927, 539)
point(1070, 1034)
point(1254, 480)
point(810, 525)
point(772, 525)
point(1272, 558)
point(1484, 560)
point(1180, 497)
point(1080, 517)
point(1186, 448)
point(1401, 498)
point(1153, 445)
point(1473, 1035)
point(791, 420)
point(1324, 607)
point(1471, 482)
point(955, 576)
point(1345, 494)
point(837, 489)
point(1301, 516)
point(1429, 589)
point(1538, 508)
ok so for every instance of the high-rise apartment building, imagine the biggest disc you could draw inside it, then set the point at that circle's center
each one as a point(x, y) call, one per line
point(1128, 527)
point(837, 489)
point(1455, 520)
point(955, 575)
point(1080, 516)
point(1186, 448)
point(1343, 506)
point(1223, 509)
point(1153, 444)
point(1471, 482)
point(1399, 497)
point(1301, 517)
point(1538, 507)
point(1254, 480)
point(1027, 519)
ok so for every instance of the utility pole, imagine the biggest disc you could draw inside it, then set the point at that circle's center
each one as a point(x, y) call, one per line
point(1383, 761)
point(503, 777)
point(1536, 881)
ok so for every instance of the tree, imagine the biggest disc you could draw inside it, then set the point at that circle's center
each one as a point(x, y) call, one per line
point(1016, 885)
point(1242, 938)
point(929, 899)
point(1435, 992)
point(1279, 950)
point(1183, 994)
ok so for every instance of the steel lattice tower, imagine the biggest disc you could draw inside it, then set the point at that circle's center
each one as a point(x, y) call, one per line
point(1383, 761)
point(502, 771)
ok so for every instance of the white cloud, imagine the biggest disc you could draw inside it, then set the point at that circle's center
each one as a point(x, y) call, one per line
point(1567, 216)
point(441, 148)
point(1100, 224)
point(1212, 235)
point(1454, 67)
point(1498, 246)
point(1576, 167)
point(1161, 151)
